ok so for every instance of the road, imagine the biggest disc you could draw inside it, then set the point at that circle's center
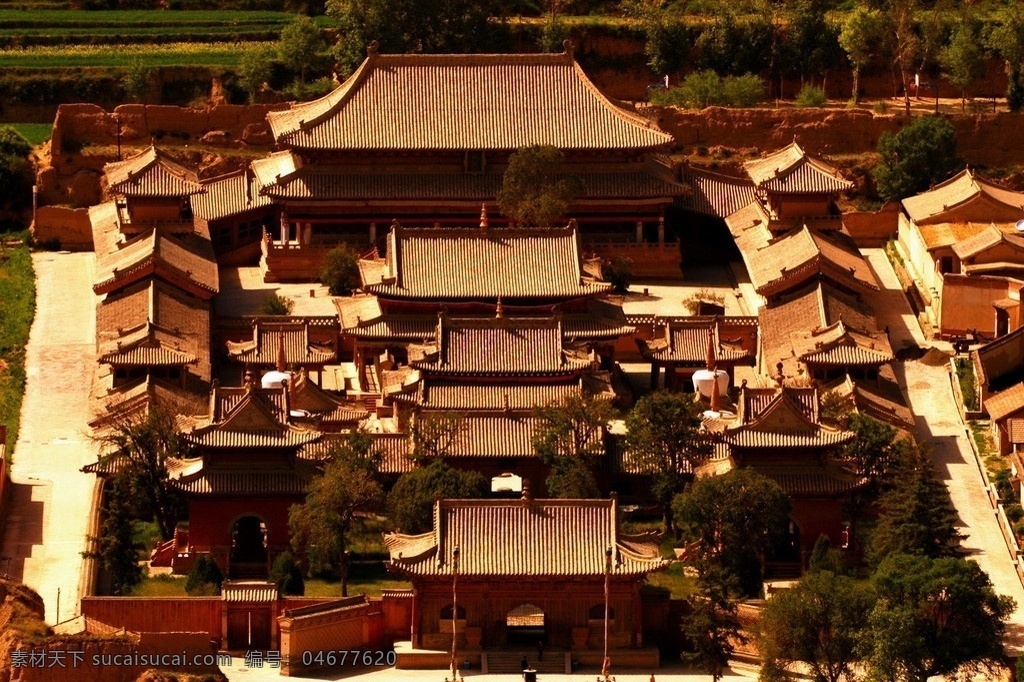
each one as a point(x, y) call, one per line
point(51, 500)
point(939, 426)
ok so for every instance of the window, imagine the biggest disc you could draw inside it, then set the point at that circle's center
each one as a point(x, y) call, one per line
point(446, 612)
point(945, 265)
point(596, 612)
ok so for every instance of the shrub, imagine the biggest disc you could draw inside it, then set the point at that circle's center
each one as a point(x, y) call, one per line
point(1004, 489)
point(1018, 529)
point(205, 578)
point(743, 91)
point(286, 573)
point(811, 96)
point(707, 88)
point(618, 272)
point(276, 305)
point(1014, 512)
point(965, 375)
point(299, 90)
point(880, 107)
point(340, 272)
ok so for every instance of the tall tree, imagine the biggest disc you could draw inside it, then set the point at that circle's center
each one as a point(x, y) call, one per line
point(903, 41)
point(861, 39)
point(411, 500)
point(874, 450)
point(140, 446)
point(115, 548)
point(300, 44)
point(917, 515)
point(536, 190)
point(813, 41)
point(819, 623)
point(934, 617)
point(429, 26)
point(712, 627)
point(569, 436)
point(347, 486)
point(964, 60)
point(916, 157)
point(434, 434)
point(1007, 40)
point(253, 71)
point(736, 518)
point(664, 438)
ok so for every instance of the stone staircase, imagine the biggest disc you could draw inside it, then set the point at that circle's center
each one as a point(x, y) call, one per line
point(511, 662)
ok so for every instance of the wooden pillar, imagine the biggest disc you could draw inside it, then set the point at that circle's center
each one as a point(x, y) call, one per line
point(284, 227)
point(655, 371)
point(308, 237)
point(661, 229)
point(639, 232)
point(373, 233)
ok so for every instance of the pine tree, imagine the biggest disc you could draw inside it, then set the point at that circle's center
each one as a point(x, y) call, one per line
point(917, 516)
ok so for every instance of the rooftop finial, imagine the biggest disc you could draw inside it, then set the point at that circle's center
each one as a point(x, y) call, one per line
point(712, 359)
point(483, 216)
point(371, 49)
point(526, 491)
point(569, 47)
point(716, 394)
point(499, 310)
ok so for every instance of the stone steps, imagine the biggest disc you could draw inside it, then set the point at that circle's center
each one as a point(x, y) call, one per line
point(511, 662)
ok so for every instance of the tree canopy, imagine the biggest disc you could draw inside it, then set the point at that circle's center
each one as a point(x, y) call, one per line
point(535, 189)
point(861, 39)
point(964, 60)
point(300, 44)
point(664, 437)
point(347, 486)
point(1007, 40)
point(934, 617)
point(569, 436)
point(736, 518)
point(819, 622)
point(411, 500)
point(340, 271)
point(918, 156)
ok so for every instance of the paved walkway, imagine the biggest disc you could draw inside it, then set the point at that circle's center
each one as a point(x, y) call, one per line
point(940, 428)
point(42, 542)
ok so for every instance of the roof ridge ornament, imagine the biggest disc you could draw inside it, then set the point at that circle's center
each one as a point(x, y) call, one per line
point(372, 49)
point(569, 48)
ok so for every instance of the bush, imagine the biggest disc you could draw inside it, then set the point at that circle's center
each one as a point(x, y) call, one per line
point(340, 272)
point(276, 305)
point(707, 88)
point(205, 578)
point(922, 153)
point(618, 272)
point(1018, 530)
point(965, 376)
point(880, 107)
point(298, 90)
point(1004, 489)
point(1014, 512)
point(286, 573)
point(811, 96)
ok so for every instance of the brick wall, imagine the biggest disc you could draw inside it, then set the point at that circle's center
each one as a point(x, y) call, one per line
point(353, 624)
point(158, 614)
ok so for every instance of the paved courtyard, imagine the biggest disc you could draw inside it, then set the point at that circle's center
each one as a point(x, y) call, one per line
point(43, 541)
point(242, 290)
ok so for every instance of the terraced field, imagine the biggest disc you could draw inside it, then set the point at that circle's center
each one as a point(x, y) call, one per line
point(120, 55)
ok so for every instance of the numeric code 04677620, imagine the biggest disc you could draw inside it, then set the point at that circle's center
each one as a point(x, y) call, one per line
point(348, 657)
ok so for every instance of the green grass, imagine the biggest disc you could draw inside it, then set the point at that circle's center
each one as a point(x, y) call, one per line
point(17, 308)
point(141, 17)
point(171, 54)
point(161, 586)
point(363, 578)
point(33, 133)
point(674, 580)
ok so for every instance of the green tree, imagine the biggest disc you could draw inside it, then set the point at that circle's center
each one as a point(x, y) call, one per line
point(812, 41)
point(569, 436)
point(964, 60)
point(300, 45)
point(668, 38)
point(140, 446)
point(340, 271)
point(136, 80)
point(345, 488)
point(253, 71)
point(818, 623)
point(861, 39)
point(902, 41)
point(1007, 40)
point(916, 157)
point(434, 434)
point(115, 548)
point(411, 500)
point(916, 516)
point(712, 627)
point(934, 617)
point(205, 578)
point(874, 450)
point(736, 519)
point(16, 175)
point(429, 26)
point(535, 189)
point(287, 575)
point(275, 304)
point(663, 435)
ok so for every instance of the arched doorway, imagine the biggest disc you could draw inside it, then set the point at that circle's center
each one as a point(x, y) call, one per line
point(249, 547)
point(785, 559)
point(524, 626)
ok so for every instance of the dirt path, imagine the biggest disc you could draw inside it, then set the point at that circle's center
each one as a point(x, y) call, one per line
point(51, 500)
